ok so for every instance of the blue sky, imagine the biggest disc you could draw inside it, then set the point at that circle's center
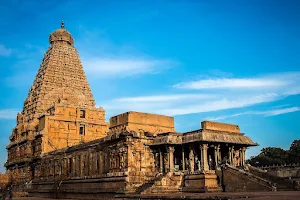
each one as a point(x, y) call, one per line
point(231, 61)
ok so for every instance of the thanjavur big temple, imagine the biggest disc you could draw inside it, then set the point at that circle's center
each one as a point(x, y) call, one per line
point(63, 146)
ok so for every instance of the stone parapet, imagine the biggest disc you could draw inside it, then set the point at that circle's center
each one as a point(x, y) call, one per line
point(220, 126)
point(137, 121)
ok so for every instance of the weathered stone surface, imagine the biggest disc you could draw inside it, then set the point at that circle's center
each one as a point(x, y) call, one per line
point(217, 126)
point(146, 122)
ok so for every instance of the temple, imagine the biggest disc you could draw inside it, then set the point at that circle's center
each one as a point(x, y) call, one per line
point(62, 144)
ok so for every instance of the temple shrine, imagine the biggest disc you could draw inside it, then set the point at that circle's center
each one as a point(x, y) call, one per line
point(63, 146)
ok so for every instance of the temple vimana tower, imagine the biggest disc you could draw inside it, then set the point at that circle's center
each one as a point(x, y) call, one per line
point(63, 146)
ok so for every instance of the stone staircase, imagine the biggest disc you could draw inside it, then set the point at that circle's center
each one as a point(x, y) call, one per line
point(251, 177)
point(238, 180)
point(280, 183)
point(163, 183)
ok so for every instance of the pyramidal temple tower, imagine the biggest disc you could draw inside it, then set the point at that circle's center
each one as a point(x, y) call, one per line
point(59, 111)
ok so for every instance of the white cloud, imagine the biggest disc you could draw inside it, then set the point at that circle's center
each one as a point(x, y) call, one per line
point(184, 104)
point(8, 114)
point(121, 67)
point(172, 97)
point(4, 51)
point(268, 88)
point(281, 111)
point(208, 106)
point(268, 81)
point(266, 113)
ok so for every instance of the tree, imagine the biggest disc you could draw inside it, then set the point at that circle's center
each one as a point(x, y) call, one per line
point(294, 152)
point(270, 156)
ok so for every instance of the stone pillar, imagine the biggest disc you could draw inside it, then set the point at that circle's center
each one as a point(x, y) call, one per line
point(229, 156)
point(240, 157)
point(183, 158)
point(243, 156)
point(204, 157)
point(232, 157)
point(161, 162)
point(220, 154)
point(191, 158)
point(216, 156)
point(171, 158)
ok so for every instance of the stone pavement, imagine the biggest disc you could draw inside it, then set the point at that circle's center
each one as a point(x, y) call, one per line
point(280, 195)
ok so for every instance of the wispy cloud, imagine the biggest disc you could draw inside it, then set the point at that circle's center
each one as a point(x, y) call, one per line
point(118, 66)
point(268, 88)
point(266, 113)
point(281, 111)
point(223, 104)
point(8, 113)
point(275, 80)
point(101, 57)
point(185, 104)
point(4, 51)
point(172, 97)
point(229, 83)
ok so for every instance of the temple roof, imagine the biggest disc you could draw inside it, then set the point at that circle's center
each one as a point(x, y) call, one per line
point(217, 137)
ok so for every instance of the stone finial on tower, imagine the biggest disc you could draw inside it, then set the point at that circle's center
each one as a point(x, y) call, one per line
point(61, 34)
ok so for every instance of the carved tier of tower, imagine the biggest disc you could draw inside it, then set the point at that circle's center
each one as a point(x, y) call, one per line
point(59, 110)
point(60, 78)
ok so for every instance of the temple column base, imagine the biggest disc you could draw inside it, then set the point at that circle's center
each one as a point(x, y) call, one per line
point(201, 182)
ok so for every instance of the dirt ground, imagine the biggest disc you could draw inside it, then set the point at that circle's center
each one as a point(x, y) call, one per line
point(280, 195)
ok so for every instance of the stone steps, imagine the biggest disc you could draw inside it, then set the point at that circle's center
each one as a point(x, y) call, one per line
point(261, 181)
point(162, 184)
point(281, 183)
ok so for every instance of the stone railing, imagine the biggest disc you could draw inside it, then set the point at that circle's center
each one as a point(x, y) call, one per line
point(199, 172)
point(279, 166)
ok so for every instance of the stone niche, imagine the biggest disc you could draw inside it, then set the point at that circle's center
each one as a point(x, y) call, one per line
point(137, 121)
point(216, 126)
